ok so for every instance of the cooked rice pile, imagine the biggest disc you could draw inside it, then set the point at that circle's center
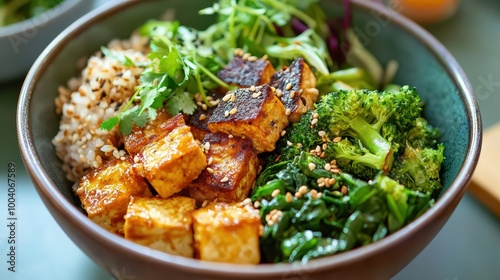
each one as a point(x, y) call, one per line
point(104, 87)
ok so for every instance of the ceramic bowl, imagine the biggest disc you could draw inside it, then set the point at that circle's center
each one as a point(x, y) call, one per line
point(424, 63)
point(22, 42)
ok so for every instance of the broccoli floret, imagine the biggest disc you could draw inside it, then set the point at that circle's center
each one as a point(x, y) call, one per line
point(419, 168)
point(423, 135)
point(375, 119)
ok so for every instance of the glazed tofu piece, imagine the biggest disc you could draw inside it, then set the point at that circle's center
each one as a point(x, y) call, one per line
point(139, 137)
point(227, 233)
point(296, 87)
point(198, 122)
point(254, 113)
point(231, 171)
point(164, 224)
point(245, 71)
point(172, 160)
point(106, 191)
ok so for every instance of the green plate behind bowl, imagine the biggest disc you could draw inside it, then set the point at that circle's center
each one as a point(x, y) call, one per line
point(423, 63)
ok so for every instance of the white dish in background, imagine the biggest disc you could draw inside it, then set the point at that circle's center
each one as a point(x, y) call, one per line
point(22, 42)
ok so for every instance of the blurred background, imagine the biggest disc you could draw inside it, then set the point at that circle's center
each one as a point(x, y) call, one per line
point(468, 247)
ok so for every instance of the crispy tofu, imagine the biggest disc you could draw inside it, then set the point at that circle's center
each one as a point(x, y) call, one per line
point(198, 122)
point(164, 224)
point(254, 113)
point(106, 191)
point(244, 72)
point(231, 172)
point(297, 87)
point(139, 137)
point(171, 161)
point(227, 233)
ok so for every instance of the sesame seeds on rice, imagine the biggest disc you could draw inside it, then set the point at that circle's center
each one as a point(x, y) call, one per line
point(104, 87)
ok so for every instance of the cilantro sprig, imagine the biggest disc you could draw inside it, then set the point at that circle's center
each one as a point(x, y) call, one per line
point(178, 69)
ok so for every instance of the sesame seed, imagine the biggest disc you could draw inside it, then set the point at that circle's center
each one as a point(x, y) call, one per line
point(319, 195)
point(257, 94)
point(312, 166)
point(230, 136)
point(299, 145)
point(210, 160)
point(264, 57)
point(320, 180)
point(288, 197)
point(252, 88)
point(247, 201)
point(237, 51)
point(205, 202)
point(289, 143)
point(314, 121)
point(324, 146)
point(321, 133)
point(332, 181)
point(335, 170)
point(214, 102)
point(270, 223)
point(275, 193)
point(283, 133)
point(252, 58)
point(246, 56)
point(322, 155)
point(202, 117)
point(277, 158)
point(207, 146)
point(303, 190)
point(287, 112)
point(298, 195)
point(279, 93)
point(318, 149)
point(226, 113)
point(314, 194)
point(256, 204)
point(210, 170)
point(273, 89)
point(328, 167)
point(233, 97)
point(315, 116)
point(292, 94)
point(288, 86)
point(343, 190)
point(322, 184)
point(226, 97)
point(337, 139)
point(204, 106)
point(233, 111)
point(225, 179)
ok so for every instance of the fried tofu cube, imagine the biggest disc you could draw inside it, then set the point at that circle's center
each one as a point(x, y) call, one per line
point(227, 233)
point(231, 171)
point(163, 224)
point(198, 122)
point(106, 191)
point(173, 160)
point(254, 113)
point(140, 136)
point(244, 72)
point(296, 86)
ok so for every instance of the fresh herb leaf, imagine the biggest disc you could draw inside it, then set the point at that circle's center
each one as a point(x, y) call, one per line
point(110, 123)
point(181, 102)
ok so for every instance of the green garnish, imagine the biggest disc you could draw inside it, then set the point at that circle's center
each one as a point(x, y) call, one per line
point(18, 10)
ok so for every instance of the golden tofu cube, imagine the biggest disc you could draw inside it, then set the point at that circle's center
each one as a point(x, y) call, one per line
point(106, 191)
point(231, 171)
point(297, 87)
point(172, 161)
point(254, 113)
point(227, 233)
point(163, 224)
point(244, 72)
point(140, 136)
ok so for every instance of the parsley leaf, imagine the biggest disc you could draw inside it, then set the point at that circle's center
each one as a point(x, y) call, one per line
point(123, 59)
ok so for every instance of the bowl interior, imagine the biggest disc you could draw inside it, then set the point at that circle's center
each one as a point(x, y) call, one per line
point(440, 84)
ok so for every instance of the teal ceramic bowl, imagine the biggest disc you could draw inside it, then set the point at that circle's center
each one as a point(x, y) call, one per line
point(424, 63)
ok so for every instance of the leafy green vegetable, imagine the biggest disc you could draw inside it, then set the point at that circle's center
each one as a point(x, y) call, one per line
point(312, 225)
